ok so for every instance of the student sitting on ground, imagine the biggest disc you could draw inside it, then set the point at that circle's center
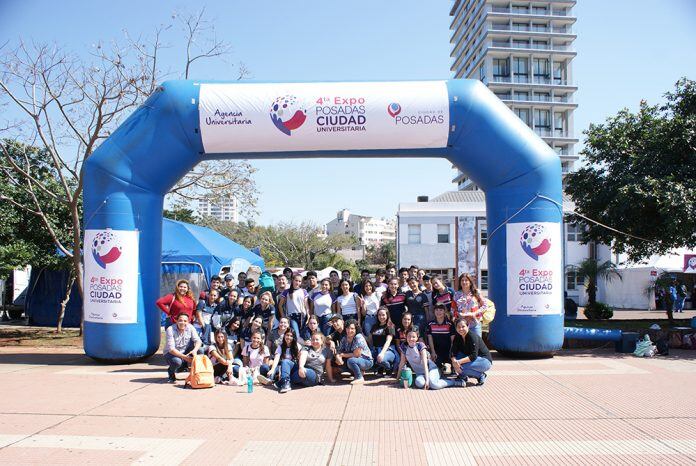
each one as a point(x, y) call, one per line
point(256, 356)
point(315, 361)
point(353, 352)
point(286, 357)
point(470, 355)
point(224, 365)
point(182, 344)
point(416, 354)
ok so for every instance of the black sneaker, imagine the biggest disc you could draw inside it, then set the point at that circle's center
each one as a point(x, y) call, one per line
point(481, 379)
point(171, 380)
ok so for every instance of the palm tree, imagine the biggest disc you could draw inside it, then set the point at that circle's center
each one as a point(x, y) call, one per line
point(590, 271)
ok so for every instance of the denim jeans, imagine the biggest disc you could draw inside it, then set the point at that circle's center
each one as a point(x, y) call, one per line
point(311, 378)
point(286, 367)
point(204, 333)
point(357, 365)
point(368, 323)
point(391, 358)
point(175, 362)
point(296, 323)
point(436, 383)
point(477, 329)
point(419, 320)
point(325, 325)
point(679, 304)
point(474, 368)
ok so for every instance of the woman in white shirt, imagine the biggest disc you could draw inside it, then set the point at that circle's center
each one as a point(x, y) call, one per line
point(321, 303)
point(294, 304)
point(348, 304)
point(370, 301)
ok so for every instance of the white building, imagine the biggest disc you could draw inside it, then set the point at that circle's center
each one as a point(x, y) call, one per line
point(368, 230)
point(447, 236)
point(225, 209)
point(523, 51)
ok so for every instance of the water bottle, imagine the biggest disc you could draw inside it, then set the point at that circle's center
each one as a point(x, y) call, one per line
point(250, 382)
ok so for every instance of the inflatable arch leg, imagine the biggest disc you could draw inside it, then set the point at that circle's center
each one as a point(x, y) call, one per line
point(185, 122)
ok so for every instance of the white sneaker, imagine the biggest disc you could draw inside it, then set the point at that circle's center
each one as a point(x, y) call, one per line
point(263, 380)
point(359, 381)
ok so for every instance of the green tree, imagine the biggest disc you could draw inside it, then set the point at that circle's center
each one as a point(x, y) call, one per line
point(639, 177)
point(181, 214)
point(381, 254)
point(288, 244)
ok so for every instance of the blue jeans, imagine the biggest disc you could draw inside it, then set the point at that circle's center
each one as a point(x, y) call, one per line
point(436, 383)
point(311, 378)
point(175, 362)
point(478, 330)
point(474, 368)
point(204, 333)
point(679, 304)
point(357, 365)
point(391, 358)
point(325, 325)
point(296, 323)
point(286, 367)
point(419, 320)
point(368, 323)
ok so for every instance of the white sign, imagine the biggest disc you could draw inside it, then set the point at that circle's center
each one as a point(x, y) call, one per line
point(535, 278)
point(111, 276)
point(238, 118)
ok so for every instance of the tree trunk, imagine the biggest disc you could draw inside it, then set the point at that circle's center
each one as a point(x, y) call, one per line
point(64, 303)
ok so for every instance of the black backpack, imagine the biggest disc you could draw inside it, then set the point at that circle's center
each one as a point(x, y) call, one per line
point(662, 347)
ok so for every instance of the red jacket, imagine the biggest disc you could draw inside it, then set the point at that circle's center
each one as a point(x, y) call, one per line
point(173, 307)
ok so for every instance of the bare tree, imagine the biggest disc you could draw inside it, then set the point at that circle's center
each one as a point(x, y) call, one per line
point(68, 105)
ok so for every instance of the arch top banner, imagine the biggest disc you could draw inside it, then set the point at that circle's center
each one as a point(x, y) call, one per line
point(274, 117)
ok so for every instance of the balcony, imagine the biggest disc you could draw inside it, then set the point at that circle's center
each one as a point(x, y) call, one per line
point(501, 78)
point(543, 132)
point(526, 11)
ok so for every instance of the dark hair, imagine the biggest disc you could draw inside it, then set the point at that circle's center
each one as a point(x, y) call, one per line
point(364, 271)
point(325, 280)
point(311, 273)
point(353, 322)
point(291, 290)
point(340, 285)
point(381, 272)
point(457, 336)
point(241, 273)
point(333, 272)
point(345, 270)
point(402, 270)
point(233, 320)
point(440, 306)
point(390, 266)
point(413, 267)
point(362, 286)
point(287, 269)
point(412, 278)
point(414, 330)
point(472, 287)
point(215, 278)
point(386, 310)
point(293, 349)
point(249, 280)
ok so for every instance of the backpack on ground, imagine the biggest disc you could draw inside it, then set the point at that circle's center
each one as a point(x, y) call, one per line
point(662, 347)
point(675, 340)
point(201, 375)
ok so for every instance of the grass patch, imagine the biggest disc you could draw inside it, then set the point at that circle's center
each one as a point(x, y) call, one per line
point(39, 337)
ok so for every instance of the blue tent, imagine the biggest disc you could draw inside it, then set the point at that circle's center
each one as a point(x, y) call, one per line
point(188, 251)
point(187, 243)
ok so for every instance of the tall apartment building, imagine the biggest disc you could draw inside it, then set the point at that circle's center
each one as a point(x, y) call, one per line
point(523, 51)
point(222, 209)
point(368, 230)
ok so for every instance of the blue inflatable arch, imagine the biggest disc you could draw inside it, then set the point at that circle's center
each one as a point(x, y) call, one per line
point(185, 122)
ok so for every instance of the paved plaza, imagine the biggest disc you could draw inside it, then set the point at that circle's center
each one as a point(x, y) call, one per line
point(581, 407)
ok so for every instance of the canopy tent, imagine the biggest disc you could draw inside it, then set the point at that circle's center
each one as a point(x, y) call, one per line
point(187, 243)
point(188, 251)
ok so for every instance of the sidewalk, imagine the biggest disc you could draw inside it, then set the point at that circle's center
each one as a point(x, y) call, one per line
point(577, 408)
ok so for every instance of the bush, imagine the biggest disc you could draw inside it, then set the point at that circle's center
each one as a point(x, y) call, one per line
point(599, 311)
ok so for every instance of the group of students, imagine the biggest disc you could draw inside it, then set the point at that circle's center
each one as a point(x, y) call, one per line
point(305, 331)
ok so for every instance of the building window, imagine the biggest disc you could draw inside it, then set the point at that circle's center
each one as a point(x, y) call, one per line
point(520, 43)
point(540, 27)
point(483, 237)
point(521, 9)
point(541, 70)
point(559, 72)
point(520, 27)
point(573, 232)
point(522, 95)
point(443, 233)
point(542, 119)
point(484, 279)
point(521, 70)
point(559, 123)
point(539, 10)
point(414, 234)
point(573, 281)
point(501, 69)
point(523, 114)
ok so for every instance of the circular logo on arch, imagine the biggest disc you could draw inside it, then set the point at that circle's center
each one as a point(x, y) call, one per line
point(288, 114)
point(393, 109)
point(105, 249)
point(534, 241)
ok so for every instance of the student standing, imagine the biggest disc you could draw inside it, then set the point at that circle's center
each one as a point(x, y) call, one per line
point(321, 304)
point(179, 302)
point(394, 300)
point(370, 305)
point(417, 303)
point(469, 303)
point(348, 303)
point(294, 304)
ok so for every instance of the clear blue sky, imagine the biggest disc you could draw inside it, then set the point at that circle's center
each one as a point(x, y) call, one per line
point(627, 50)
